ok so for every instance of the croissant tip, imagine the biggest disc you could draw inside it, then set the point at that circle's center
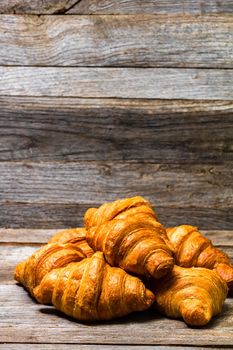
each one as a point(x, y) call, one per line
point(195, 314)
point(17, 271)
point(158, 270)
point(150, 297)
point(197, 317)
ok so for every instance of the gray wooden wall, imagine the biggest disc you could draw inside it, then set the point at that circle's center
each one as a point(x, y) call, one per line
point(104, 99)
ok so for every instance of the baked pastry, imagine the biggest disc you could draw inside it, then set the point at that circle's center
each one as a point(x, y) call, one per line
point(196, 294)
point(129, 235)
point(93, 290)
point(193, 249)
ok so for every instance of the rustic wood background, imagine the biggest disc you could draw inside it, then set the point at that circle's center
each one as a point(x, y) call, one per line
point(102, 99)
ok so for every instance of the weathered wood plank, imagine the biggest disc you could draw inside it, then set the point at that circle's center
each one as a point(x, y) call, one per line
point(17, 346)
point(10, 257)
point(115, 7)
point(36, 7)
point(57, 215)
point(173, 131)
point(97, 182)
point(44, 215)
point(197, 7)
point(41, 236)
point(26, 321)
point(160, 83)
point(12, 254)
point(165, 41)
point(57, 194)
point(30, 235)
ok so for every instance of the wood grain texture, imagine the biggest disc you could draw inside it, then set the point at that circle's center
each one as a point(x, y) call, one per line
point(151, 83)
point(197, 7)
point(56, 194)
point(26, 321)
point(17, 346)
point(115, 7)
point(36, 7)
point(113, 41)
point(41, 236)
point(46, 215)
point(98, 182)
point(162, 131)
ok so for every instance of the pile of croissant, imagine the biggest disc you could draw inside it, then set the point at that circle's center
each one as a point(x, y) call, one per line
point(123, 261)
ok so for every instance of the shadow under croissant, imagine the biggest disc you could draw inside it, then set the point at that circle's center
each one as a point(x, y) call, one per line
point(28, 293)
point(134, 317)
point(149, 315)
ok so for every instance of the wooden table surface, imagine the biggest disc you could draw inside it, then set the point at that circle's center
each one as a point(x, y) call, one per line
point(25, 321)
point(100, 100)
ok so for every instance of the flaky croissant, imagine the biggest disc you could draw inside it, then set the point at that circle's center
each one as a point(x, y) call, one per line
point(93, 290)
point(75, 236)
point(31, 271)
point(196, 294)
point(193, 249)
point(129, 235)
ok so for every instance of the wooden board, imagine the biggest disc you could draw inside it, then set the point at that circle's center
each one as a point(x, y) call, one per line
point(25, 321)
point(165, 41)
point(197, 7)
point(36, 7)
point(46, 215)
point(105, 129)
point(97, 182)
point(17, 346)
point(43, 190)
point(151, 83)
point(115, 7)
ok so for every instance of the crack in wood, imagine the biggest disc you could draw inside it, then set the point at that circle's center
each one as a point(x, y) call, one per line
point(64, 10)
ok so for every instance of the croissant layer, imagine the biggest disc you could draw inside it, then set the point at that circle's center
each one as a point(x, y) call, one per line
point(76, 236)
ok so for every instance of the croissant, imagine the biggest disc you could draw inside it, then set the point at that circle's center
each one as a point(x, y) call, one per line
point(75, 236)
point(129, 235)
point(137, 207)
point(193, 249)
point(196, 294)
point(31, 271)
point(93, 290)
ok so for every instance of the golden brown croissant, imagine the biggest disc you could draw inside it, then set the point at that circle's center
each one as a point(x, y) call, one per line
point(193, 249)
point(31, 271)
point(196, 294)
point(93, 290)
point(129, 235)
point(75, 236)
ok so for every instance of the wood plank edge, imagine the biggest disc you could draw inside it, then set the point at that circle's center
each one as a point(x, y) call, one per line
point(99, 346)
